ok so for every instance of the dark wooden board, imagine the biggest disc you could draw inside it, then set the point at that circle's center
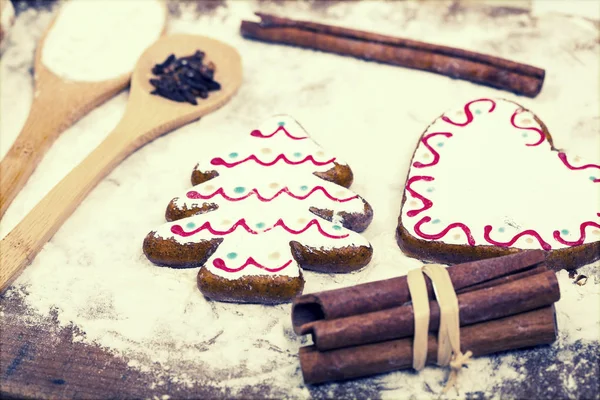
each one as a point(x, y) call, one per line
point(42, 361)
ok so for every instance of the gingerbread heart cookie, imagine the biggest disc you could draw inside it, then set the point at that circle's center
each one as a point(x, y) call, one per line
point(486, 180)
point(273, 204)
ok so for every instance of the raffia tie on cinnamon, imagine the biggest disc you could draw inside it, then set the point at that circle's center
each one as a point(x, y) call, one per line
point(449, 331)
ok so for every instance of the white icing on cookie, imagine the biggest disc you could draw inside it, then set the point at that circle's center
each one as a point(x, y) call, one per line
point(485, 174)
point(269, 247)
point(264, 191)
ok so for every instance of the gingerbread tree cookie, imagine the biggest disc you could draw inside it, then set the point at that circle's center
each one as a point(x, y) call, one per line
point(275, 203)
point(486, 180)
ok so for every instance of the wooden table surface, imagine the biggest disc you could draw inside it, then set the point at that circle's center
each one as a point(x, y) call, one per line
point(41, 355)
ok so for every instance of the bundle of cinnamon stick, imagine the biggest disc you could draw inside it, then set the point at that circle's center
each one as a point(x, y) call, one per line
point(505, 303)
point(449, 61)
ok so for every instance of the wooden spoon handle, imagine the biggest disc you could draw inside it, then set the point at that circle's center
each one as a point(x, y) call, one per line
point(55, 107)
point(43, 126)
point(23, 243)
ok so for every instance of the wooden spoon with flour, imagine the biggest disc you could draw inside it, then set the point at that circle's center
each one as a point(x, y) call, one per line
point(146, 117)
point(85, 57)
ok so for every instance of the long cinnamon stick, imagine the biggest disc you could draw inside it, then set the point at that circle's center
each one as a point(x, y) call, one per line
point(455, 63)
point(522, 330)
point(389, 293)
point(477, 306)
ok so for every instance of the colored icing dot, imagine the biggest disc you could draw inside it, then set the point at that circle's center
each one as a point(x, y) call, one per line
point(564, 231)
point(412, 203)
point(281, 123)
point(337, 227)
point(265, 150)
point(233, 155)
point(302, 220)
point(501, 229)
point(260, 225)
point(477, 111)
point(297, 154)
point(596, 232)
point(226, 222)
point(577, 159)
point(231, 256)
point(303, 187)
point(239, 189)
point(320, 153)
point(430, 189)
point(340, 193)
point(524, 134)
point(209, 187)
point(435, 221)
point(426, 155)
point(274, 185)
point(592, 178)
point(191, 225)
point(440, 144)
point(526, 121)
point(274, 256)
point(456, 236)
point(529, 240)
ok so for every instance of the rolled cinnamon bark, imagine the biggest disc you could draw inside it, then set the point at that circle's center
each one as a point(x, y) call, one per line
point(511, 298)
point(455, 63)
point(389, 293)
point(505, 279)
point(522, 330)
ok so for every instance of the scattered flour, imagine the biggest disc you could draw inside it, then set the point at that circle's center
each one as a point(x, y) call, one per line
point(7, 17)
point(79, 47)
point(93, 273)
point(579, 308)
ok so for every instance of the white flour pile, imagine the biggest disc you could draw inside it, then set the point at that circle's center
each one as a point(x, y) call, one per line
point(93, 272)
point(7, 17)
point(87, 33)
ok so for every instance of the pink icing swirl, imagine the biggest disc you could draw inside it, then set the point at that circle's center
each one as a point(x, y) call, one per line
point(178, 229)
point(257, 133)
point(488, 229)
point(311, 223)
point(220, 264)
point(280, 157)
point(581, 239)
point(537, 130)
point(443, 233)
point(436, 156)
point(563, 158)
point(468, 113)
point(427, 204)
point(192, 194)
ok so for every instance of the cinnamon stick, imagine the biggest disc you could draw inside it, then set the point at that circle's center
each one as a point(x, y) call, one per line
point(452, 62)
point(389, 293)
point(505, 279)
point(477, 306)
point(522, 330)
